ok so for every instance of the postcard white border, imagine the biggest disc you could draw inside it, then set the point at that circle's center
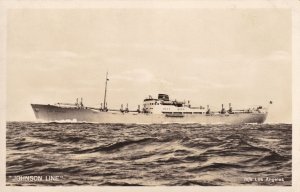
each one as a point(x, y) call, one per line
point(294, 5)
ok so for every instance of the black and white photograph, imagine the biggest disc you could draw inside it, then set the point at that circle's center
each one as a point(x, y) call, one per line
point(148, 94)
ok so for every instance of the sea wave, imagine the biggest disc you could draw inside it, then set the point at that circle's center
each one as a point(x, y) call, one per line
point(149, 154)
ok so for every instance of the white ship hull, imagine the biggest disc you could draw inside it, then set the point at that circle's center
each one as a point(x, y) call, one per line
point(56, 113)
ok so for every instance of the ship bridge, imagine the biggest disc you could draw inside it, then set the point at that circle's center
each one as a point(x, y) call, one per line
point(163, 104)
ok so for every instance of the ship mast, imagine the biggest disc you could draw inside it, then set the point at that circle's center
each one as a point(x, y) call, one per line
point(104, 102)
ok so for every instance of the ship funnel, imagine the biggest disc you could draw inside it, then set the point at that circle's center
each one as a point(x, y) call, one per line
point(163, 97)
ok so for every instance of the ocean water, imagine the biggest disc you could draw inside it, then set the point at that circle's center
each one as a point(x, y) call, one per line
point(66, 154)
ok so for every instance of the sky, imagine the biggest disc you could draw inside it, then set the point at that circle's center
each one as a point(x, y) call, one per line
point(207, 56)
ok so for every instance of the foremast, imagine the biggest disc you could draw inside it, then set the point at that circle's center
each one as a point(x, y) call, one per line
point(105, 92)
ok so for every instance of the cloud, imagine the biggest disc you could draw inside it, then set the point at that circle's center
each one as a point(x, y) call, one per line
point(201, 83)
point(136, 75)
point(141, 77)
point(189, 90)
point(164, 82)
point(278, 56)
point(46, 54)
point(121, 89)
point(144, 46)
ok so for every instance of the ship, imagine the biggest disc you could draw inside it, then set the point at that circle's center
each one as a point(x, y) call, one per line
point(157, 110)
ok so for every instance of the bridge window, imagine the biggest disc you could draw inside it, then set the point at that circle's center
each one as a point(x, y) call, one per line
point(177, 112)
